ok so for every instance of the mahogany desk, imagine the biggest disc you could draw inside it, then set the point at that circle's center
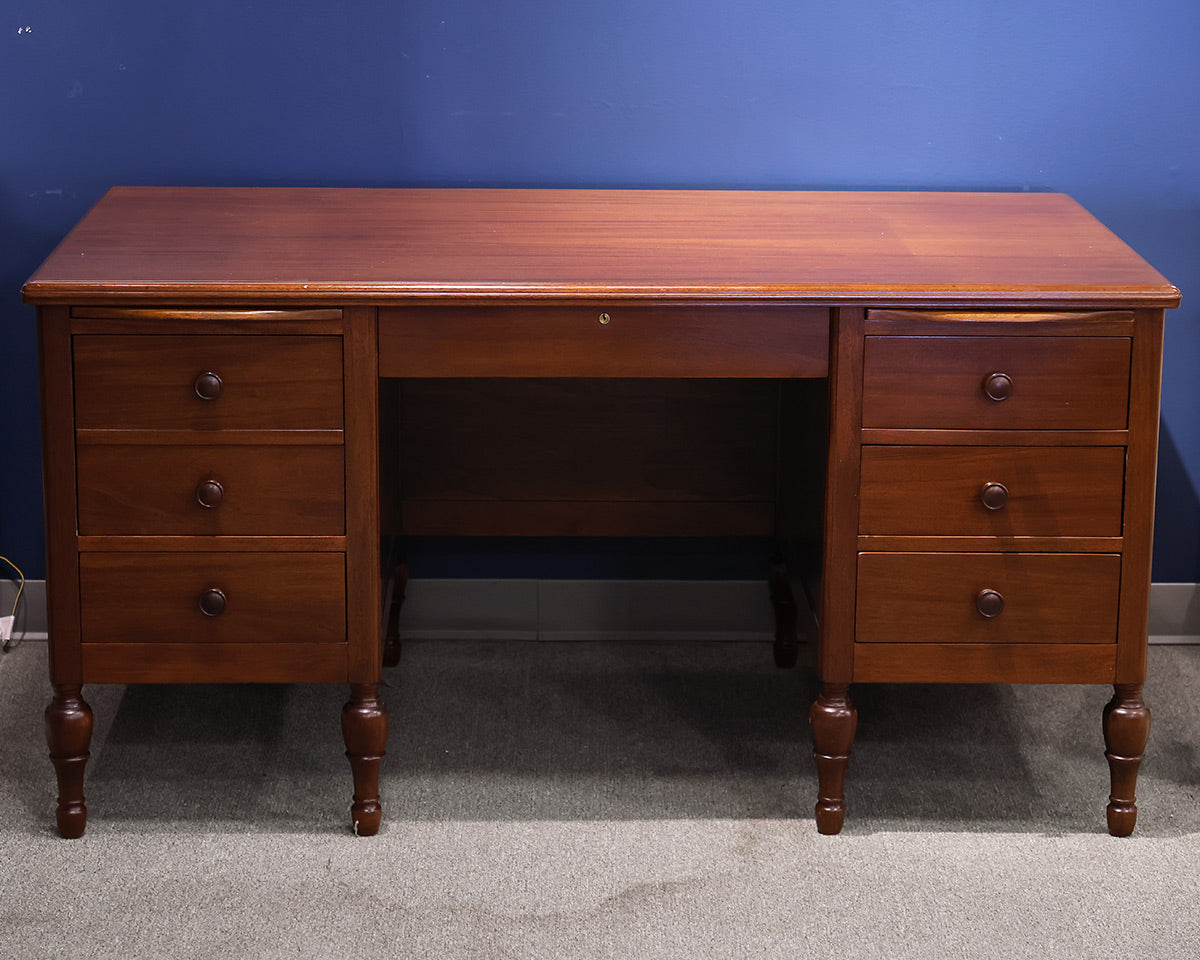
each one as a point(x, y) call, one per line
point(946, 405)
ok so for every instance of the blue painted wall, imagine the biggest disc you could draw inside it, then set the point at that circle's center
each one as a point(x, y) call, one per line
point(1098, 99)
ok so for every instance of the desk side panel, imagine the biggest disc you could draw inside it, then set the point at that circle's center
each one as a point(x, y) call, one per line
point(58, 472)
point(363, 580)
point(839, 569)
point(1141, 471)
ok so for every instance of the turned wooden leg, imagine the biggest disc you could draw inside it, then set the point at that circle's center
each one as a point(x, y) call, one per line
point(1126, 729)
point(364, 728)
point(391, 638)
point(69, 734)
point(834, 721)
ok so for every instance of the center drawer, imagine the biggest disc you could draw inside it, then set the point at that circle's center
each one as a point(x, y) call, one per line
point(604, 340)
point(211, 490)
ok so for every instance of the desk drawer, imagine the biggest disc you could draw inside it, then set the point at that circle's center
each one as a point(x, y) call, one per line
point(156, 490)
point(1047, 383)
point(992, 491)
point(208, 382)
point(946, 598)
point(174, 598)
point(603, 340)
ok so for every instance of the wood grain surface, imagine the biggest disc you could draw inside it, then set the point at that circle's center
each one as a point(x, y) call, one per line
point(195, 244)
point(1067, 383)
point(931, 597)
point(593, 340)
point(149, 382)
point(939, 491)
point(149, 490)
point(145, 598)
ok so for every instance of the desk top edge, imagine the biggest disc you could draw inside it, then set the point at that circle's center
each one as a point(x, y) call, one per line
point(288, 245)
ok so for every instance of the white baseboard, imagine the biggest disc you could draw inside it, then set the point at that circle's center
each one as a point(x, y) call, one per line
point(1174, 613)
point(31, 611)
point(611, 609)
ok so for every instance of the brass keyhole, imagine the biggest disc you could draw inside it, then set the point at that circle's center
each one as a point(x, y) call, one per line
point(605, 318)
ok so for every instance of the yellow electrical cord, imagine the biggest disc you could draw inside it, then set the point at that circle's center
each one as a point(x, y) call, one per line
point(17, 598)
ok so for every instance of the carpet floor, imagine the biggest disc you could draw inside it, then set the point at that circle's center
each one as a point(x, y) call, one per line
point(600, 800)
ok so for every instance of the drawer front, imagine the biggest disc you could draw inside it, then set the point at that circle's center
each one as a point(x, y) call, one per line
point(153, 490)
point(992, 491)
point(603, 340)
point(208, 382)
point(174, 598)
point(996, 383)
point(947, 598)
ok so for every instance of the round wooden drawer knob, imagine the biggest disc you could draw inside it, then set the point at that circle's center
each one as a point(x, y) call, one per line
point(209, 494)
point(989, 603)
point(998, 386)
point(212, 602)
point(994, 496)
point(208, 386)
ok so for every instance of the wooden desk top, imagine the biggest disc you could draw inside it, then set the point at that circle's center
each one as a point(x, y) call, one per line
point(320, 245)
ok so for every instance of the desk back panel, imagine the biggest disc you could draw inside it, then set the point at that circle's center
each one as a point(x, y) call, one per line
point(598, 457)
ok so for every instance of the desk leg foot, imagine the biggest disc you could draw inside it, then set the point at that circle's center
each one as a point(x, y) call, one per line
point(69, 734)
point(391, 639)
point(1126, 729)
point(834, 721)
point(364, 728)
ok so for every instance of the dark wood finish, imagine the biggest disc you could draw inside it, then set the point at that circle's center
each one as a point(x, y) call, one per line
point(311, 246)
point(69, 733)
point(283, 660)
point(234, 438)
point(996, 438)
point(364, 728)
point(588, 457)
point(587, 518)
point(152, 382)
point(786, 648)
point(212, 317)
point(205, 322)
point(803, 440)
point(984, 662)
point(998, 543)
point(1048, 598)
point(1055, 382)
point(1032, 491)
point(58, 485)
point(1140, 472)
point(554, 439)
point(833, 720)
point(1126, 730)
point(141, 490)
point(261, 321)
point(393, 643)
point(222, 544)
point(364, 588)
point(1025, 323)
point(839, 561)
point(602, 340)
point(269, 597)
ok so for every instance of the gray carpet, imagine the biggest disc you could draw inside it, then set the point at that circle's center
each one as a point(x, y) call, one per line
point(600, 800)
